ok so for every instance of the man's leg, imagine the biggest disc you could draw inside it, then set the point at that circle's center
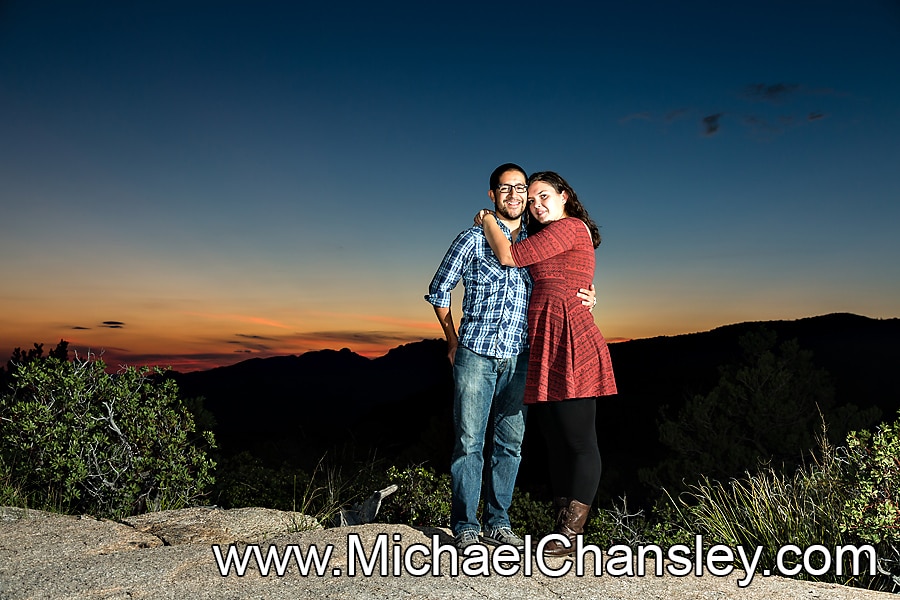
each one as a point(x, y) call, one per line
point(509, 430)
point(474, 378)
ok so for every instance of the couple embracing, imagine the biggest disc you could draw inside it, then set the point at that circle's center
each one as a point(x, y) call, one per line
point(526, 338)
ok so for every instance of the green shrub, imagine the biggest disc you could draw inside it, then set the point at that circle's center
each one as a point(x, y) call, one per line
point(530, 516)
point(78, 439)
point(765, 408)
point(810, 507)
point(873, 509)
point(245, 480)
point(422, 497)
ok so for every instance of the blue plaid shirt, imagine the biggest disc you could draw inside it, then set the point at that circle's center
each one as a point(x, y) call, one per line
point(495, 303)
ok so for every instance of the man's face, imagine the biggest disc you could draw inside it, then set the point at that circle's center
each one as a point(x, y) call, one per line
point(509, 202)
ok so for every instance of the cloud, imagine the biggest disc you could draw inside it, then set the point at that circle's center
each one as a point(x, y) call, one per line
point(315, 340)
point(112, 324)
point(763, 122)
point(240, 318)
point(768, 128)
point(775, 93)
point(711, 124)
point(251, 343)
point(79, 328)
point(368, 337)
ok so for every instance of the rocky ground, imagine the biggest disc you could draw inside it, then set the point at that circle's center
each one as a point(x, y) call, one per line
point(172, 554)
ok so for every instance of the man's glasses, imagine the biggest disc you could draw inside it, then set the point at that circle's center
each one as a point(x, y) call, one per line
point(505, 188)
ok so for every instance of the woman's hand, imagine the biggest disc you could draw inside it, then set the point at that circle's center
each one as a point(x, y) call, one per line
point(479, 217)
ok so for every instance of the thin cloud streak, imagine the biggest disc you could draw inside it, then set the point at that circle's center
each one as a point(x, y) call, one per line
point(240, 319)
point(429, 325)
point(763, 127)
point(774, 93)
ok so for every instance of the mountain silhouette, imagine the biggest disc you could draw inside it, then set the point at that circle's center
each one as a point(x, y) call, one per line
point(399, 405)
point(326, 398)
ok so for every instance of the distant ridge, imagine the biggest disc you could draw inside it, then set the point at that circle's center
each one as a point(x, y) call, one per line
point(399, 404)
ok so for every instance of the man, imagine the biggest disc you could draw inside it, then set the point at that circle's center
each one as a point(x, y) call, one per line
point(489, 356)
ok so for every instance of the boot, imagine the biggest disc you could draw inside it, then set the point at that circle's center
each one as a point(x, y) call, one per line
point(571, 524)
point(559, 510)
point(559, 516)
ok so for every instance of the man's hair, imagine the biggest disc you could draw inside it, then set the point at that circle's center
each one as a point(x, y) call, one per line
point(495, 176)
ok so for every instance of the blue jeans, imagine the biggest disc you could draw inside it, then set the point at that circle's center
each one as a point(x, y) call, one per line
point(486, 389)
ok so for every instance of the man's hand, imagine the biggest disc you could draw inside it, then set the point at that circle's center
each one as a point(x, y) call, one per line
point(445, 318)
point(588, 297)
point(451, 351)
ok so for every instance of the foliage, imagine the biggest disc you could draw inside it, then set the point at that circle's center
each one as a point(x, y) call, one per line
point(78, 439)
point(615, 525)
point(873, 509)
point(771, 509)
point(767, 509)
point(765, 410)
point(21, 357)
point(245, 480)
point(530, 516)
point(422, 497)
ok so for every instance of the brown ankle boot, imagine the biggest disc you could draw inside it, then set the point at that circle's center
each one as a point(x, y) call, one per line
point(571, 525)
point(559, 516)
point(559, 510)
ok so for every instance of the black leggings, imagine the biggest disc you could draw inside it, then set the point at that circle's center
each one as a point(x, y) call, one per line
point(571, 432)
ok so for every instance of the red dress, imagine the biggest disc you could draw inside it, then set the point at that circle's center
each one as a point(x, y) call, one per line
point(569, 357)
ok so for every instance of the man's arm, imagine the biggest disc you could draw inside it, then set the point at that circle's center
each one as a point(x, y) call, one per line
point(450, 271)
point(445, 318)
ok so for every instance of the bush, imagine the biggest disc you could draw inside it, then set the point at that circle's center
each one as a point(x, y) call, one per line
point(78, 439)
point(245, 480)
point(530, 516)
point(871, 510)
point(422, 497)
point(766, 409)
point(835, 501)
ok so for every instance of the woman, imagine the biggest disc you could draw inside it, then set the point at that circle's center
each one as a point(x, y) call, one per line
point(569, 365)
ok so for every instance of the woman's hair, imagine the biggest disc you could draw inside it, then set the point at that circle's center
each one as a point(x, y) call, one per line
point(572, 207)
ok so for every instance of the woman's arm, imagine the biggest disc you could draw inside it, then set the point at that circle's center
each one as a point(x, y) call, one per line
point(499, 244)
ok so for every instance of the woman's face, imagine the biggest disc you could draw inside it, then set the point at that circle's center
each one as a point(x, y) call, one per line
point(545, 203)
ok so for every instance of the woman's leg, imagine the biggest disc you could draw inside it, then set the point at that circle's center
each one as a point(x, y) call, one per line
point(558, 458)
point(579, 471)
point(575, 462)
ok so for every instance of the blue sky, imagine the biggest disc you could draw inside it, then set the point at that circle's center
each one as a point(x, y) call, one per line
point(195, 183)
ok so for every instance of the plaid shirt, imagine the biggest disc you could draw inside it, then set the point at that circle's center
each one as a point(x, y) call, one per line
point(495, 303)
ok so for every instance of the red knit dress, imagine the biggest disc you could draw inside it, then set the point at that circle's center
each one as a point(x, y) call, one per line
point(569, 357)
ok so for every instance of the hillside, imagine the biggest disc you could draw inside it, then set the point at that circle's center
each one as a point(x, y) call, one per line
point(398, 405)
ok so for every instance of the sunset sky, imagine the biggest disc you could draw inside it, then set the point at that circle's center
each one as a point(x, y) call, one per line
point(195, 183)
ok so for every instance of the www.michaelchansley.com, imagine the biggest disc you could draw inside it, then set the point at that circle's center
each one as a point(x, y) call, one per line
point(387, 556)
